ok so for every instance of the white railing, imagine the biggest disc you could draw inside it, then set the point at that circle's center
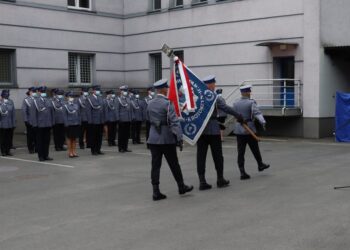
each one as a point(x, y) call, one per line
point(269, 93)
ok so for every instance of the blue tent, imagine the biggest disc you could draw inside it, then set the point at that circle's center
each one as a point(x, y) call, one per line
point(342, 117)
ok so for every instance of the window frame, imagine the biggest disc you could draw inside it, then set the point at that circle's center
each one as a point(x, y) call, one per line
point(77, 7)
point(154, 5)
point(153, 70)
point(12, 67)
point(78, 70)
point(178, 5)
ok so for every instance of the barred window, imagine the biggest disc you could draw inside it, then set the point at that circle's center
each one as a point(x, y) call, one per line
point(156, 66)
point(79, 4)
point(7, 67)
point(80, 68)
point(179, 3)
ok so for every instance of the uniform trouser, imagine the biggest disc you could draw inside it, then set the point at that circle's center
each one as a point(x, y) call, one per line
point(96, 134)
point(136, 131)
point(58, 135)
point(123, 135)
point(148, 127)
point(242, 141)
point(31, 137)
point(43, 142)
point(83, 134)
point(11, 139)
point(5, 140)
point(169, 151)
point(112, 132)
point(214, 141)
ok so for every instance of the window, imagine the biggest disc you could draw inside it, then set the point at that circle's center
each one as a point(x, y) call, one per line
point(80, 68)
point(194, 2)
point(179, 3)
point(79, 4)
point(156, 66)
point(157, 4)
point(7, 67)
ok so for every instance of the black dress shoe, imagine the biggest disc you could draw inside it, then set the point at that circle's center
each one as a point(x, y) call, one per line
point(263, 166)
point(185, 189)
point(222, 183)
point(245, 176)
point(3, 154)
point(204, 186)
point(128, 150)
point(48, 159)
point(140, 142)
point(41, 159)
point(94, 153)
point(100, 153)
point(31, 152)
point(158, 196)
point(121, 151)
point(9, 154)
point(82, 147)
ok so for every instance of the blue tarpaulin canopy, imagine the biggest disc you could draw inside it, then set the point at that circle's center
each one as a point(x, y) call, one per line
point(342, 117)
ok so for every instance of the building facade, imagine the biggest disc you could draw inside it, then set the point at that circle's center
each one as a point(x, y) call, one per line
point(70, 43)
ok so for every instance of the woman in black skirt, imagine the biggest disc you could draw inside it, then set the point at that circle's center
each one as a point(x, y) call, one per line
point(72, 122)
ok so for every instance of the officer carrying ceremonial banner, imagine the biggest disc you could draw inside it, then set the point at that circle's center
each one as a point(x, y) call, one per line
point(250, 111)
point(165, 135)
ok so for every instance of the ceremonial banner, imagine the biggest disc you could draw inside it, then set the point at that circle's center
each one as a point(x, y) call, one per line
point(194, 102)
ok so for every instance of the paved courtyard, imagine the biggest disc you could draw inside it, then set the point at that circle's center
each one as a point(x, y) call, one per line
point(104, 203)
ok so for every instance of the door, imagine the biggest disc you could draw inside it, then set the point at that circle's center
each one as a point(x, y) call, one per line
point(284, 69)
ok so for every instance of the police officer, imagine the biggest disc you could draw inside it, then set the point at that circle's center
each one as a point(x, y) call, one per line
point(58, 127)
point(165, 135)
point(29, 118)
point(111, 117)
point(211, 137)
point(7, 122)
point(44, 121)
point(96, 120)
point(72, 121)
point(147, 100)
point(248, 108)
point(84, 131)
point(221, 115)
point(125, 116)
point(137, 107)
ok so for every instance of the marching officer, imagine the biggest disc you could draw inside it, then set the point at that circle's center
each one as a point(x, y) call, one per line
point(137, 118)
point(83, 107)
point(165, 135)
point(96, 120)
point(29, 118)
point(58, 127)
point(249, 110)
point(7, 122)
point(221, 115)
point(211, 137)
point(44, 121)
point(72, 121)
point(147, 100)
point(111, 116)
point(125, 117)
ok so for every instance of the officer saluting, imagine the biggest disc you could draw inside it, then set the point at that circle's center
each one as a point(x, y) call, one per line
point(211, 137)
point(44, 116)
point(29, 118)
point(7, 122)
point(96, 120)
point(248, 108)
point(165, 134)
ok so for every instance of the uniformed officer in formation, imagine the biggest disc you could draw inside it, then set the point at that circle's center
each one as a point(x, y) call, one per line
point(147, 100)
point(125, 117)
point(137, 107)
point(249, 110)
point(44, 121)
point(96, 120)
point(165, 135)
point(221, 115)
point(58, 127)
point(7, 122)
point(211, 137)
point(29, 118)
point(84, 131)
point(72, 121)
point(111, 117)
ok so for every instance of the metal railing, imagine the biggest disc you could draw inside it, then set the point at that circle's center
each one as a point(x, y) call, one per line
point(270, 93)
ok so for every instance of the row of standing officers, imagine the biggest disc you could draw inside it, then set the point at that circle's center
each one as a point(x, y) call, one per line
point(92, 113)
